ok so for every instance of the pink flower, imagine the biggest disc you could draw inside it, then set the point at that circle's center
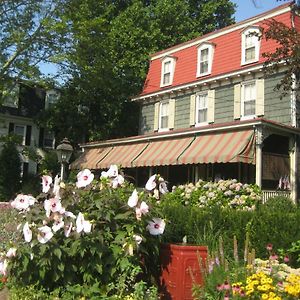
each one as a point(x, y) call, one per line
point(269, 247)
point(219, 287)
point(286, 259)
point(273, 256)
point(52, 205)
point(58, 224)
point(46, 183)
point(22, 202)
point(226, 285)
point(27, 233)
point(142, 210)
point(133, 199)
point(111, 172)
point(156, 226)
point(82, 224)
point(117, 181)
point(45, 234)
point(84, 178)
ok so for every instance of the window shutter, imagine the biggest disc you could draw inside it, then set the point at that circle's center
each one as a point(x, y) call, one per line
point(211, 106)
point(156, 116)
point(28, 135)
point(237, 102)
point(11, 128)
point(260, 97)
point(192, 109)
point(41, 138)
point(171, 119)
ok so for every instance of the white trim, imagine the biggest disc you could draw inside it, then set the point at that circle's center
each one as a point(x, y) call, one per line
point(232, 28)
point(171, 61)
point(252, 32)
point(210, 56)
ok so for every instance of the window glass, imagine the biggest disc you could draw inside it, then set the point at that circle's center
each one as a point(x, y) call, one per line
point(204, 56)
point(20, 131)
point(167, 72)
point(249, 99)
point(202, 106)
point(164, 117)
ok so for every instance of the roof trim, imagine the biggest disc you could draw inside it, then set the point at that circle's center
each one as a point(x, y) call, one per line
point(246, 23)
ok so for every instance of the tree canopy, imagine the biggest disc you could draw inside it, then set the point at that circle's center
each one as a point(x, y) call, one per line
point(108, 60)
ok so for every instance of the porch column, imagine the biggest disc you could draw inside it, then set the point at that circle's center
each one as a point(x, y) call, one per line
point(258, 163)
point(293, 167)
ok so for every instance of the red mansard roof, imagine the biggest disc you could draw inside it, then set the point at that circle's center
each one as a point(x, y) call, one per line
point(227, 53)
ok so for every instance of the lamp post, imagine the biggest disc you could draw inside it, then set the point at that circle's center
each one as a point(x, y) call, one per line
point(64, 151)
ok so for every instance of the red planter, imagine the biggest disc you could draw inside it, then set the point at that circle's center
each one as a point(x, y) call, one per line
point(180, 269)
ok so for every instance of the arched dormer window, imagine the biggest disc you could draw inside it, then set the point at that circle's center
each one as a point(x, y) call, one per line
point(167, 70)
point(205, 58)
point(250, 45)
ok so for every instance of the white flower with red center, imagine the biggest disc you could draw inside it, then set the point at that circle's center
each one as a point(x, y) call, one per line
point(11, 252)
point(82, 224)
point(111, 172)
point(58, 224)
point(84, 178)
point(45, 234)
point(151, 183)
point(143, 209)
point(27, 233)
point(133, 199)
point(22, 202)
point(117, 181)
point(156, 226)
point(46, 183)
point(52, 205)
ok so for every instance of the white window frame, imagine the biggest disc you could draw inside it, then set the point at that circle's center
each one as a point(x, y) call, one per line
point(24, 132)
point(160, 116)
point(198, 109)
point(243, 85)
point(202, 47)
point(256, 32)
point(171, 61)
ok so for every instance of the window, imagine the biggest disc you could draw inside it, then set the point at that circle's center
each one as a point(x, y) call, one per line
point(164, 116)
point(167, 71)
point(52, 97)
point(205, 56)
point(250, 45)
point(201, 108)
point(248, 99)
point(20, 130)
point(10, 95)
point(48, 139)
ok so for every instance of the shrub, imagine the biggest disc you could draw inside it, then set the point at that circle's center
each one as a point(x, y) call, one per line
point(109, 251)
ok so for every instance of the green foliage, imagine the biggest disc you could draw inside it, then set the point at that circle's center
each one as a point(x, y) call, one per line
point(106, 262)
point(31, 184)
point(275, 222)
point(10, 164)
point(109, 54)
point(49, 164)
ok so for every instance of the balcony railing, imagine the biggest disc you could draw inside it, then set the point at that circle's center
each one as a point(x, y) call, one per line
point(266, 194)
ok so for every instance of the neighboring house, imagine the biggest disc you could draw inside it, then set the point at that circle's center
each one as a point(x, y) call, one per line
point(21, 104)
point(208, 111)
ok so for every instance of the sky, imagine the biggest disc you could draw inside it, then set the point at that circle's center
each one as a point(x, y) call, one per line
point(247, 9)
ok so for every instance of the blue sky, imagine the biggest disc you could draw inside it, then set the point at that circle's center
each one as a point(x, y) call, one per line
point(246, 9)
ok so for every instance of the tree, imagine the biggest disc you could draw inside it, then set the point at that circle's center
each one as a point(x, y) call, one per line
point(10, 165)
point(108, 63)
point(31, 34)
point(287, 53)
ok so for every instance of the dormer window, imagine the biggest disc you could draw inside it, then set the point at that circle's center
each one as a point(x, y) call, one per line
point(250, 45)
point(167, 71)
point(205, 57)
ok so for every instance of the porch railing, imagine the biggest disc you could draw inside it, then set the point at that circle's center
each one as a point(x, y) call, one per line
point(266, 194)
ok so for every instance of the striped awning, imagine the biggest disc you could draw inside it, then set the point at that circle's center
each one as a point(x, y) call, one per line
point(122, 155)
point(163, 152)
point(235, 146)
point(90, 158)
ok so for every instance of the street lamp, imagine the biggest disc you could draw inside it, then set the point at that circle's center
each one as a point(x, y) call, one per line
point(64, 151)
